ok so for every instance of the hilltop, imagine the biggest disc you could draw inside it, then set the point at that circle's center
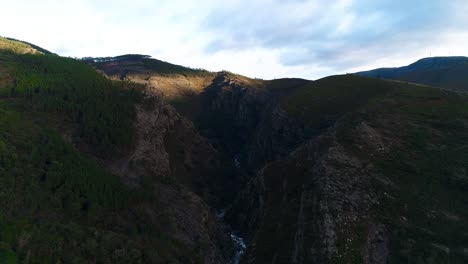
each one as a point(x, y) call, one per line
point(21, 47)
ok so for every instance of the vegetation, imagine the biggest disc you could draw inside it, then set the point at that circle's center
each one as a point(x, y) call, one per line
point(40, 49)
point(429, 167)
point(425, 206)
point(168, 68)
point(58, 205)
point(103, 110)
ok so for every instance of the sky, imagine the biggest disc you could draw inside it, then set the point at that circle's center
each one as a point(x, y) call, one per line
point(258, 38)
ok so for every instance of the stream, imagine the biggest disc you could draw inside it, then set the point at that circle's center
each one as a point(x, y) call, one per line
point(239, 244)
point(240, 248)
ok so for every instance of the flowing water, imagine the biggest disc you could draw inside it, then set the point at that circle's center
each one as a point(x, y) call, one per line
point(238, 242)
point(240, 248)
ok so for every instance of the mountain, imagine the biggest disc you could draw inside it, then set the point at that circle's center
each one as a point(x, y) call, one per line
point(444, 72)
point(374, 174)
point(333, 169)
point(131, 159)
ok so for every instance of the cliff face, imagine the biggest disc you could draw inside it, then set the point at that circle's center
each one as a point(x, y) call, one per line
point(276, 136)
point(241, 117)
point(184, 171)
point(313, 206)
point(168, 146)
point(230, 111)
point(362, 190)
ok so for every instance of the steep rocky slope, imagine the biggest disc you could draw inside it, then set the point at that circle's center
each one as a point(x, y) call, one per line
point(382, 184)
point(169, 148)
point(185, 173)
point(445, 72)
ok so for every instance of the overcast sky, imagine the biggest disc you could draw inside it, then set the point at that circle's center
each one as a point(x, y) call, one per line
point(257, 38)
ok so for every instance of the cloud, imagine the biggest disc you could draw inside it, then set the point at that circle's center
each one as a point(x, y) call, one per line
point(335, 34)
point(258, 38)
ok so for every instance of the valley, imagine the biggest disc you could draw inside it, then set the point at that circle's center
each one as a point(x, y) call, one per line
point(130, 159)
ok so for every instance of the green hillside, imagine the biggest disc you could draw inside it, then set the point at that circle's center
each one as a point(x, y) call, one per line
point(103, 110)
point(59, 205)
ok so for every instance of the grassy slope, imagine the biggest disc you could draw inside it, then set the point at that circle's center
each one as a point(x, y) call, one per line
point(58, 204)
point(426, 214)
point(429, 167)
point(40, 49)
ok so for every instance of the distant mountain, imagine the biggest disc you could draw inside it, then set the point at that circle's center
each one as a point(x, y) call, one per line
point(120, 66)
point(445, 72)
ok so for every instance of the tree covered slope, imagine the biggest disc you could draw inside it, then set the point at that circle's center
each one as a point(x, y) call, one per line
point(63, 126)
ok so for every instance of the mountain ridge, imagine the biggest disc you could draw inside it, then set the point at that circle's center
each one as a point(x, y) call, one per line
point(444, 72)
